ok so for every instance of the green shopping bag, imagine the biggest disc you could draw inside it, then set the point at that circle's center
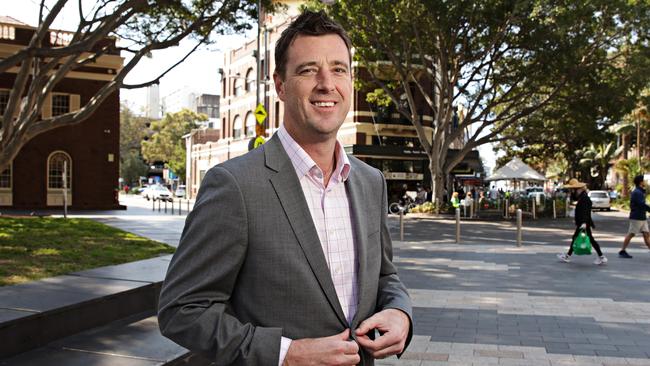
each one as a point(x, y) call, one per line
point(582, 244)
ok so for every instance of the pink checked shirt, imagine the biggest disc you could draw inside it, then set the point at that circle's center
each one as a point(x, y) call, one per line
point(330, 211)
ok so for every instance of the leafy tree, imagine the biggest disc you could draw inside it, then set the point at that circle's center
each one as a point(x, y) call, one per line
point(133, 130)
point(597, 159)
point(143, 26)
point(132, 167)
point(167, 143)
point(498, 61)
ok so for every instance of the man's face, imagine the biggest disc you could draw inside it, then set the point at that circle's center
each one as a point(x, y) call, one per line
point(317, 87)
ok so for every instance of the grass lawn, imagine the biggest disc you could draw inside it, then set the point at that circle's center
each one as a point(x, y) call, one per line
point(34, 248)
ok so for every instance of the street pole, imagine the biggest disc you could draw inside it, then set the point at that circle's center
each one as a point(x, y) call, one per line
point(457, 225)
point(401, 225)
point(519, 219)
point(65, 189)
point(259, 56)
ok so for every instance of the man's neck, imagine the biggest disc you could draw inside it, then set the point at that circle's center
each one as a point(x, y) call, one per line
point(322, 152)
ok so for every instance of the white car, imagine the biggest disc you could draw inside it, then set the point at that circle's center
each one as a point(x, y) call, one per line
point(600, 200)
point(157, 192)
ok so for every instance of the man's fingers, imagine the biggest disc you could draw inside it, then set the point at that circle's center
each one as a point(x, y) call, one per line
point(367, 325)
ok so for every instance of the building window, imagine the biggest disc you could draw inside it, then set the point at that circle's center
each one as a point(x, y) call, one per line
point(55, 166)
point(237, 127)
point(250, 125)
point(7, 32)
point(250, 80)
point(5, 178)
point(60, 104)
point(4, 101)
point(239, 90)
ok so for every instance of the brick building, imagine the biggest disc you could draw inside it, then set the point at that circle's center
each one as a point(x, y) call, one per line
point(89, 150)
point(386, 140)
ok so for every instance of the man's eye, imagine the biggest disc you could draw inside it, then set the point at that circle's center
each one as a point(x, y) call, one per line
point(307, 71)
point(342, 70)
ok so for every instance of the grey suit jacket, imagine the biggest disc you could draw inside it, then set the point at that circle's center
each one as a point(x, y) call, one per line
point(250, 268)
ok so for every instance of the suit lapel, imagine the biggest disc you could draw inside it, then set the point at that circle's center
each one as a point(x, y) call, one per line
point(287, 187)
point(354, 188)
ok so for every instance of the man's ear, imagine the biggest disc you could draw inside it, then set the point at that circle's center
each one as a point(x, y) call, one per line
point(279, 85)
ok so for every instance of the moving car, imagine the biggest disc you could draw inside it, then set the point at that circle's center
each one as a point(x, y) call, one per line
point(180, 191)
point(600, 200)
point(157, 192)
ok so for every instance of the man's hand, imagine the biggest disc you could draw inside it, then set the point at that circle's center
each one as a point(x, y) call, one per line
point(334, 350)
point(393, 326)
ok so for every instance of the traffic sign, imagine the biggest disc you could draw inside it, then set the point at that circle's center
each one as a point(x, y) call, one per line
point(260, 113)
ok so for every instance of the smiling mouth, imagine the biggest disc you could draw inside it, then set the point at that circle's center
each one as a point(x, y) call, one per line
point(324, 104)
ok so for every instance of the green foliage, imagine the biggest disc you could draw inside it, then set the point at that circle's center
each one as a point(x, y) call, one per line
point(379, 98)
point(632, 167)
point(132, 167)
point(547, 76)
point(167, 143)
point(133, 130)
point(33, 248)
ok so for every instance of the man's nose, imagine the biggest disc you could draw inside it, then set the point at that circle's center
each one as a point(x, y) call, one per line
point(325, 80)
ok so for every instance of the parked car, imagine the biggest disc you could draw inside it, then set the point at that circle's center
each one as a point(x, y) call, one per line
point(157, 192)
point(180, 191)
point(600, 200)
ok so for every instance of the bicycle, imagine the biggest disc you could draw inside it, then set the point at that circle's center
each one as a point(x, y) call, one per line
point(404, 205)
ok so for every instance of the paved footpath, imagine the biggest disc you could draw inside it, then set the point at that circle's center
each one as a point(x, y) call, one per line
point(488, 302)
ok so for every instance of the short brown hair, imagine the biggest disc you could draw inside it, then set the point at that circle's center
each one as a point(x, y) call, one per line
point(308, 23)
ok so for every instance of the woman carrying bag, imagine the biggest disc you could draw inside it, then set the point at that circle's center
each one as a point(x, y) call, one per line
point(583, 220)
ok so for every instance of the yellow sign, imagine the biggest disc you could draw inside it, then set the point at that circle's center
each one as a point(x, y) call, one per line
point(259, 141)
point(260, 113)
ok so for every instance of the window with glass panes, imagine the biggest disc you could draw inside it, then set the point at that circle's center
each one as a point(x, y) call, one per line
point(60, 104)
point(5, 178)
point(55, 170)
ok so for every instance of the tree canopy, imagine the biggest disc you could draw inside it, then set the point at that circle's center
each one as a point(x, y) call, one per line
point(167, 144)
point(142, 26)
point(497, 61)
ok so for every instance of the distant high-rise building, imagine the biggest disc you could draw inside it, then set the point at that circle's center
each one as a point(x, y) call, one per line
point(153, 102)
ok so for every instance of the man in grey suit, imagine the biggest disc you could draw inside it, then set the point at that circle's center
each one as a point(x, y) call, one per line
point(286, 258)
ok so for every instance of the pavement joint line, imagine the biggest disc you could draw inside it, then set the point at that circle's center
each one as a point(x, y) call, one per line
point(112, 354)
point(110, 278)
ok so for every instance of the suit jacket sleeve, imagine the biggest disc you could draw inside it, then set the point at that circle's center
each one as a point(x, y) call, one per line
point(193, 309)
point(392, 293)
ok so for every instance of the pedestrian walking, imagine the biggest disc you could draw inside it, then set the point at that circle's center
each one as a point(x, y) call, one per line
point(583, 221)
point(638, 218)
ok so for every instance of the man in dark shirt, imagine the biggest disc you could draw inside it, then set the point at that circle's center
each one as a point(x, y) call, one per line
point(638, 219)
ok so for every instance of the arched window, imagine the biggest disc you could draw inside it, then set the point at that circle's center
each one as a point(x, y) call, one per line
point(237, 86)
point(250, 125)
point(55, 167)
point(237, 127)
point(250, 80)
point(57, 163)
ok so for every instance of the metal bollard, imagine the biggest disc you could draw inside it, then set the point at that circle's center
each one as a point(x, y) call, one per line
point(172, 206)
point(534, 208)
point(507, 208)
point(165, 206)
point(401, 225)
point(457, 225)
point(153, 205)
point(554, 212)
point(179, 207)
point(518, 227)
point(568, 201)
point(158, 205)
point(188, 207)
point(471, 210)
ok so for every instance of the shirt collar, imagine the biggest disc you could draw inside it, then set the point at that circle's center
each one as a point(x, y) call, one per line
point(303, 163)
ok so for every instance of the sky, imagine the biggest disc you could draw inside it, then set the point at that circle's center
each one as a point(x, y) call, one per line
point(198, 74)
